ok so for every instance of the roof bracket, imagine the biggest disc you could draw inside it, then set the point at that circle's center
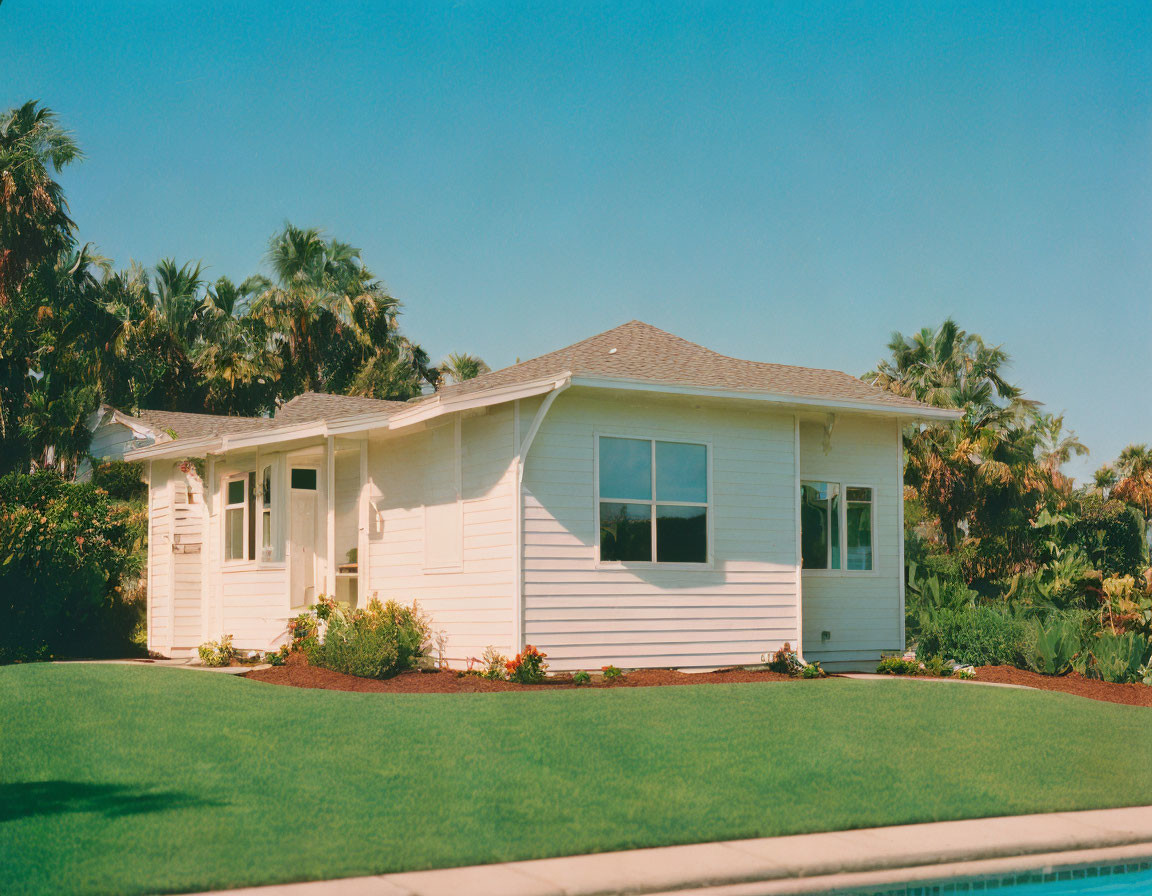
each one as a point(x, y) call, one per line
point(829, 425)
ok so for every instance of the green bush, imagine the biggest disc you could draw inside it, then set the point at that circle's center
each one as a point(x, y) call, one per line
point(69, 556)
point(376, 642)
point(581, 677)
point(363, 647)
point(217, 653)
point(122, 480)
point(1114, 657)
point(610, 672)
point(1112, 534)
point(897, 665)
point(976, 636)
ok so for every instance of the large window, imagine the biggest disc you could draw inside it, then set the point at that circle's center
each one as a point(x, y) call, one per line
point(836, 525)
point(653, 501)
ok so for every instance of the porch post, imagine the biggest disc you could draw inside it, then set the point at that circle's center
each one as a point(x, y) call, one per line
point(362, 547)
point(330, 494)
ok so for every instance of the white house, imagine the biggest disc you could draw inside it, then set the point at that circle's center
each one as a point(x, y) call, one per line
point(633, 499)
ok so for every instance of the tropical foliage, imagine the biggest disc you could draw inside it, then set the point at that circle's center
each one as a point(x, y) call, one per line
point(1008, 562)
point(76, 331)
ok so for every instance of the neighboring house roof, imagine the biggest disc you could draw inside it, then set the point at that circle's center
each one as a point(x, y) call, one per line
point(180, 425)
point(639, 351)
point(320, 405)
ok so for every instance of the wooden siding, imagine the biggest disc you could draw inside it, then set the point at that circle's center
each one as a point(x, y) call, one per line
point(159, 558)
point(473, 603)
point(860, 611)
point(585, 616)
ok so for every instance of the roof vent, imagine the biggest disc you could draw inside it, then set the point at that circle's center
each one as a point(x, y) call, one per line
point(611, 351)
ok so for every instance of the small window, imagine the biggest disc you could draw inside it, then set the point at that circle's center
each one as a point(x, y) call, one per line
point(304, 478)
point(858, 528)
point(235, 510)
point(653, 500)
point(820, 525)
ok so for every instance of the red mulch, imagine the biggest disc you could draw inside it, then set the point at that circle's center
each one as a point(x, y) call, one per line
point(1072, 683)
point(297, 673)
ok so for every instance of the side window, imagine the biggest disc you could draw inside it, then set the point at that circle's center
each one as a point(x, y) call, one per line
point(836, 526)
point(235, 511)
point(820, 525)
point(859, 528)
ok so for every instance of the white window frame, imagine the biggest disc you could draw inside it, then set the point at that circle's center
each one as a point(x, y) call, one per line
point(709, 506)
point(225, 481)
point(843, 571)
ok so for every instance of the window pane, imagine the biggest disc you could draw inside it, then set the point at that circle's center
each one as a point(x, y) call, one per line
point(859, 534)
point(820, 525)
point(236, 491)
point(234, 533)
point(625, 531)
point(266, 534)
point(626, 469)
point(859, 494)
point(681, 472)
point(304, 478)
point(681, 534)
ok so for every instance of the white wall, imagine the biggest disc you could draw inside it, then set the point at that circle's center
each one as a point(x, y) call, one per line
point(471, 602)
point(860, 611)
point(159, 558)
point(586, 617)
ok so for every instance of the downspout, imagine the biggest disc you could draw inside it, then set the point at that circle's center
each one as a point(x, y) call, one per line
point(799, 551)
point(522, 449)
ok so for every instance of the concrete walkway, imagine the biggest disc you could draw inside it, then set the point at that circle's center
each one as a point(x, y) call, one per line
point(808, 863)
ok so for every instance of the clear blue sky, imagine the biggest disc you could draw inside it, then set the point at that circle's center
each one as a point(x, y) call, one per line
point(779, 182)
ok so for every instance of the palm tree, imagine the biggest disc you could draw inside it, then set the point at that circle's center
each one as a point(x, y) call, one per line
point(1056, 447)
point(460, 366)
point(332, 323)
point(34, 222)
point(232, 356)
point(1134, 485)
point(1104, 479)
point(976, 470)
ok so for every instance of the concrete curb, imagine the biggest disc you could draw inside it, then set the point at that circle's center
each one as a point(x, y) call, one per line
point(779, 865)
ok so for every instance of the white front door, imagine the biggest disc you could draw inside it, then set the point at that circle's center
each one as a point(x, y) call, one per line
point(302, 546)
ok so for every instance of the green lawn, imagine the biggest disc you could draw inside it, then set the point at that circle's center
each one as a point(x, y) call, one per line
point(130, 779)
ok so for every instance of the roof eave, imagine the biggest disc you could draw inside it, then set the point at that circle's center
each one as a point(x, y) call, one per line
point(913, 412)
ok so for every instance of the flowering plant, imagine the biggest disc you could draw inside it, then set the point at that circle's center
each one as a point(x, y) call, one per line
point(527, 667)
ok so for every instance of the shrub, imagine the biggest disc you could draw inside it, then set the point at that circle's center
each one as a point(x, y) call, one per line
point(811, 670)
point(217, 653)
point(785, 661)
point(581, 677)
point(1112, 534)
point(69, 556)
point(495, 664)
point(610, 672)
point(363, 646)
point(122, 480)
point(976, 636)
point(277, 657)
point(527, 667)
point(1112, 657)
point(376, 642)
point(897, 665)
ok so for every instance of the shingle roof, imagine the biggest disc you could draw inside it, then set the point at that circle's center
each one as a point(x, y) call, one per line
point(313, 406)
point(639, 351)
point(199, 426)
point(632, 351)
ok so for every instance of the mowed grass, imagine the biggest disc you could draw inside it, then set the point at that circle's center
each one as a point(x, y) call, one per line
point(128, 779)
